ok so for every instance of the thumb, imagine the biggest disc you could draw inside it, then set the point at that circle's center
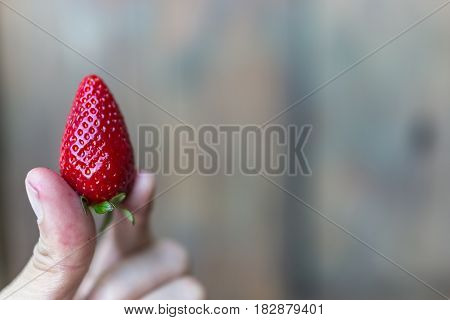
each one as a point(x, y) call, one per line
point(66, 243)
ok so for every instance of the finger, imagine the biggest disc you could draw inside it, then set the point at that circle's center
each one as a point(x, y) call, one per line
point(66, 243)
point(184, 288)
point(141, 273)
point(129, 238)
point(123, 238)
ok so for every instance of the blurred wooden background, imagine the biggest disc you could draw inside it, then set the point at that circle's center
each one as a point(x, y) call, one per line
point(379, 148)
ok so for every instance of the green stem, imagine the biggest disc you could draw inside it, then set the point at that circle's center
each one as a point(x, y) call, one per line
point(106, 208)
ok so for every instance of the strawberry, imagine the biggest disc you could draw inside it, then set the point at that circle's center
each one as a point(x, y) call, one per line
point(96, 156)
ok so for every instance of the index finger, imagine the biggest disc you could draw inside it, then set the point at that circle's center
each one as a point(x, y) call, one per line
point(122, 238)
point(126, 237)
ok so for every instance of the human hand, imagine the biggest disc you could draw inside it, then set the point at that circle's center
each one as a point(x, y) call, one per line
point(128, 263)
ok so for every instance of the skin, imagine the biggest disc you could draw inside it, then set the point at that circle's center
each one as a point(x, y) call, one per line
point(127, 263)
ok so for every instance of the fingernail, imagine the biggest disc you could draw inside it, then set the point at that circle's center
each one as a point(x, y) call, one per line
point(33, 195)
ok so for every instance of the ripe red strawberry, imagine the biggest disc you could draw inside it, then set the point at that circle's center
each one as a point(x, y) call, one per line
point(96, 157)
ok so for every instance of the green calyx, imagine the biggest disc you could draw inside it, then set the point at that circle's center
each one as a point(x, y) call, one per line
point(107, 207)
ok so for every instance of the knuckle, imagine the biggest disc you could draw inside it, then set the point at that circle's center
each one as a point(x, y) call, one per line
point(46, 259)
point(42, 258)
point(195, 289)
point(176, 253)
point(44, 262)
